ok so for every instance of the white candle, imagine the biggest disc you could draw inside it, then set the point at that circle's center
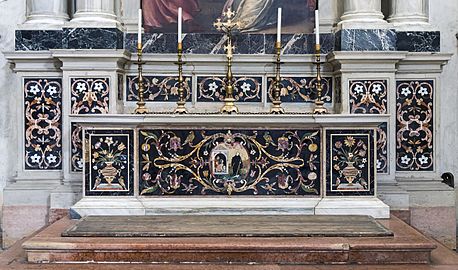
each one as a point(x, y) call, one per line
point(279, 25)
point(317, 27)
point(180, 14)
point(139, 38)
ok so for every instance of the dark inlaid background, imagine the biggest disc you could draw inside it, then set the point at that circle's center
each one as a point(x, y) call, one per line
point(43, 123)
point(246, 89)
point(234, 162)
point(301, 89)
point(109, 167)
point(350, 169)
point(415, 125)
point(90, 95)
point(157, 88)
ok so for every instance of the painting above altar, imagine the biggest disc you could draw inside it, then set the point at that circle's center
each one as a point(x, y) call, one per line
point(255, 16)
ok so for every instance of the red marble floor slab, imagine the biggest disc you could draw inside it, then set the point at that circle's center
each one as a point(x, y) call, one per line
point(406, 246)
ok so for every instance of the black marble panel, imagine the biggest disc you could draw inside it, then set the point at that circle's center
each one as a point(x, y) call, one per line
point(246, 89)
point(43, 123)
point(419, 41)
point(415, 125)
point(157, 88)
point(90, 95)
point(301, 89)
point(229, 162)
point(77, 148)
point(213, 43)
point(38, 40)
point(365, 40)
point(109, 169)
point(92, 38)
point(350, 168)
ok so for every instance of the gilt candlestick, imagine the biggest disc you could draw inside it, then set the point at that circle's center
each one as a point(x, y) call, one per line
point(141, 105)
point(319, 103)
point(276, 91)
point(181, 108)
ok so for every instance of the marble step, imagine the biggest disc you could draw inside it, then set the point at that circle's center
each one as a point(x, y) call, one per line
point(406, 246)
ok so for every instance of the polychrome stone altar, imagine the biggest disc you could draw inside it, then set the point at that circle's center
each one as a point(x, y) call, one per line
point(138, 161)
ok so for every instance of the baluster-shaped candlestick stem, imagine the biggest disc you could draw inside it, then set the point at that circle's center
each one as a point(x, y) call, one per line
point(181, 108)
point(141, 105)
point(276, 98)
point(319, 103)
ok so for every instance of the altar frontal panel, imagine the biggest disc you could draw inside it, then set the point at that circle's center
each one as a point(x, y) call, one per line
point(229, 162)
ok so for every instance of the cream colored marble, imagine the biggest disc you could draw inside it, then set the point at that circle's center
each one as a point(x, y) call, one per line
point(46, 12)
point(409, 14)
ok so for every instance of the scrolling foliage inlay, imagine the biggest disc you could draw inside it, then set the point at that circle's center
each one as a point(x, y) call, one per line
point(233, 162)
point(43, 124)
point(414, 134)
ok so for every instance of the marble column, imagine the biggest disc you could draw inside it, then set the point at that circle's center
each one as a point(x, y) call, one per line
point(128, 10)
point(330, 12)
point(49, 12)
point(95, 12)
point(364, 14)
point(409, 14)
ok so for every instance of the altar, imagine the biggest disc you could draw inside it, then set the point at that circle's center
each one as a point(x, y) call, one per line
point(228, 118)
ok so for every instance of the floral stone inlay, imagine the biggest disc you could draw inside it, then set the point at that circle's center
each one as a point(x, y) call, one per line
point(109, 162)
point(414, 125)
point(301, 89)
point(90, 95)
point(350, 162)
point(158, 88)
point(43, 124)
point(233, 162)
point(246, 89)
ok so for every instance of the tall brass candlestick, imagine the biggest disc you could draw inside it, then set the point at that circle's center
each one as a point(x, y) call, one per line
point(181, 109)
point(227, 27)
point(319, 103)
point(276, 98)
point(141, 105)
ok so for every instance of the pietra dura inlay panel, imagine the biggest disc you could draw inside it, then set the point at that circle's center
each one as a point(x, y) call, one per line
point(90, 95)
point(157, 88)
point(246, 89)
point(301, 89)
point(109, 164)
point(371, 97)
point(350, 163)
point(43, 123)
point(229, 162)
point(415, 125)
point(77, 148)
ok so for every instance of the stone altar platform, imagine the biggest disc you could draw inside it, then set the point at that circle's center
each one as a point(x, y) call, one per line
point(405, 246)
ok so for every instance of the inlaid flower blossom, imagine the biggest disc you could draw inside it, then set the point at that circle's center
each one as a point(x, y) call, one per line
point(213, 86)
point(423, 160)
point(34, 89)
point(245, 87)
point(423, 91)
point(175, 143)
point(377, 88)
point(283, 144)
point(359, 89)
point(405, 160)
point(405, 91)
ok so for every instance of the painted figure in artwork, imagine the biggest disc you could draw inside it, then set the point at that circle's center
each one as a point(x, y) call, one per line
point(255, 15)
point(163, 14)
point(220, 163)
point(236, 163)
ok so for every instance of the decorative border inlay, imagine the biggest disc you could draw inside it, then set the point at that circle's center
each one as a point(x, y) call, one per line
point(414, 125)
point(229, 162)
point(90, 95)
point(157, 88)
point(77, 148)
point(109, 164)
point(246, 89)
point(43, 123)
point(382, 148)
point(350, 163)
point(301, 89)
